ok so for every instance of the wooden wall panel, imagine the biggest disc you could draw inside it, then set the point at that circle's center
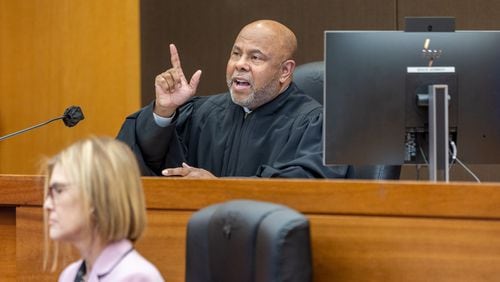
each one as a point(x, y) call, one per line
point(360, 230)
point(30, 233)
point(347, 248)
point(54, 54)
point(204, 31)
point(7, 243)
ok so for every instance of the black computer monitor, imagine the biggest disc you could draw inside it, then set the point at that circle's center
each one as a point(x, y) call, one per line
point(371, 114)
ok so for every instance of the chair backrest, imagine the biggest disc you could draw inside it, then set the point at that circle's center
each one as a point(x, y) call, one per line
point(244, 240)
point(309, 77)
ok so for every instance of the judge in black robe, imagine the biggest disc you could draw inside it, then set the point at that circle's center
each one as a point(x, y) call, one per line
point(279, 139)
point(265, 126)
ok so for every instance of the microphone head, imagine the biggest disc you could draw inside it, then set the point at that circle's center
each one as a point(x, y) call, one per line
point(72, 116)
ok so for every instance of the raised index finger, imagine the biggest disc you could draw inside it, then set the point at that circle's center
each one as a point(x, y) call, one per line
point(174, 57)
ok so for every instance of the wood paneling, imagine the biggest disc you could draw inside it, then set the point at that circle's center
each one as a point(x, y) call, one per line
point(371, 198)
point(353, 248)
point(164, 242)
point(54, 54)
point(345, 248)
point(204, 31)
point(360, 230)
point(30, 242)
point(8, 243)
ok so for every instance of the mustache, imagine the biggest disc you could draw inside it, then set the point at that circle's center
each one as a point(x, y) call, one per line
point(230, 81)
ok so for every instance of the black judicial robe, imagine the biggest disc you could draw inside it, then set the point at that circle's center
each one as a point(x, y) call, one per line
point(282, 138)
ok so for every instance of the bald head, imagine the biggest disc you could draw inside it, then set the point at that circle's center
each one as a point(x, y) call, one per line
point(261, 63)
point(276, 35)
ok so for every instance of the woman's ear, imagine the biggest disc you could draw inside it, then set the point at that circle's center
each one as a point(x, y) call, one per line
point(287, 68)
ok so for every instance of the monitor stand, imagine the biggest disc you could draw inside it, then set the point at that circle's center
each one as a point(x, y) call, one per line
point(439, 169)
point(436, 100)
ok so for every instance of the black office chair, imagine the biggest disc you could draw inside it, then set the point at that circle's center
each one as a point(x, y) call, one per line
point(309, 77)
point(244, 240)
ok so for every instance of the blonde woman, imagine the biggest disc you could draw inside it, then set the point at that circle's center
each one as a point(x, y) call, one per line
point(94, 201)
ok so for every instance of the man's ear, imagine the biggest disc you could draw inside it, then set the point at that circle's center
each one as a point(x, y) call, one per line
point(287, 68)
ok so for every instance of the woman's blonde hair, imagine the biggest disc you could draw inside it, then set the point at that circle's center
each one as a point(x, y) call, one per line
point(107, 175)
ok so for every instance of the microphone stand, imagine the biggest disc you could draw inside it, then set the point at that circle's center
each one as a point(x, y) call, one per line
point(29, 128)
point(71, 117)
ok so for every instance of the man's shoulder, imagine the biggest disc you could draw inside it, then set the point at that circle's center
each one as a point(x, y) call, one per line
point(217, 99)
point(211, 102)
point(148, 109)
point(301, 103)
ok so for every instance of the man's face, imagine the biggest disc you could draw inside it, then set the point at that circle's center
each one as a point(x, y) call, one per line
point(254, 69)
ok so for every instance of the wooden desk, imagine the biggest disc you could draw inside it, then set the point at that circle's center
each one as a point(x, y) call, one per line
point(361, 230)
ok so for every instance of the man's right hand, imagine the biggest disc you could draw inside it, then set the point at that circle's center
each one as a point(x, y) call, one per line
point(172, 88)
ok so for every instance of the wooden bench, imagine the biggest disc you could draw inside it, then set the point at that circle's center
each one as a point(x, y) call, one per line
point(361, 230)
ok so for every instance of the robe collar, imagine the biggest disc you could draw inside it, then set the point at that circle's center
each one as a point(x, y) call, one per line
point(271, 106)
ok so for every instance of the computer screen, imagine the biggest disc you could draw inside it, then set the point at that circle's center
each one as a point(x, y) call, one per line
point(371, 114)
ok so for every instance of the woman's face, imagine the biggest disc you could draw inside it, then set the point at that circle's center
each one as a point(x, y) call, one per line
point(66, 217)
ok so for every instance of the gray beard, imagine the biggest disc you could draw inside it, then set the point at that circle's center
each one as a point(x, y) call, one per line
point(258, 97)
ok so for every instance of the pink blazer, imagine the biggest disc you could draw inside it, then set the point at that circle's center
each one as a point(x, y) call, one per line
point(119, 261)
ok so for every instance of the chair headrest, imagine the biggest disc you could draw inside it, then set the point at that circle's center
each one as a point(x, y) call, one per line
point(309, 78)
point(260, 241)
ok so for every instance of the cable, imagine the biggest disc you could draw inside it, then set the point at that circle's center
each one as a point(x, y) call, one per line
point(454, 158)
point(453, 150)
point(423, 155)
point(468, 170)
point(453, 154)
point(418, 166)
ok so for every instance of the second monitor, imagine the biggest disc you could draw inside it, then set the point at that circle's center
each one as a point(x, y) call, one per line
point(372, 79)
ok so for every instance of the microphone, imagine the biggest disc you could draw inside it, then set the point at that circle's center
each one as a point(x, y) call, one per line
point(71, 117)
